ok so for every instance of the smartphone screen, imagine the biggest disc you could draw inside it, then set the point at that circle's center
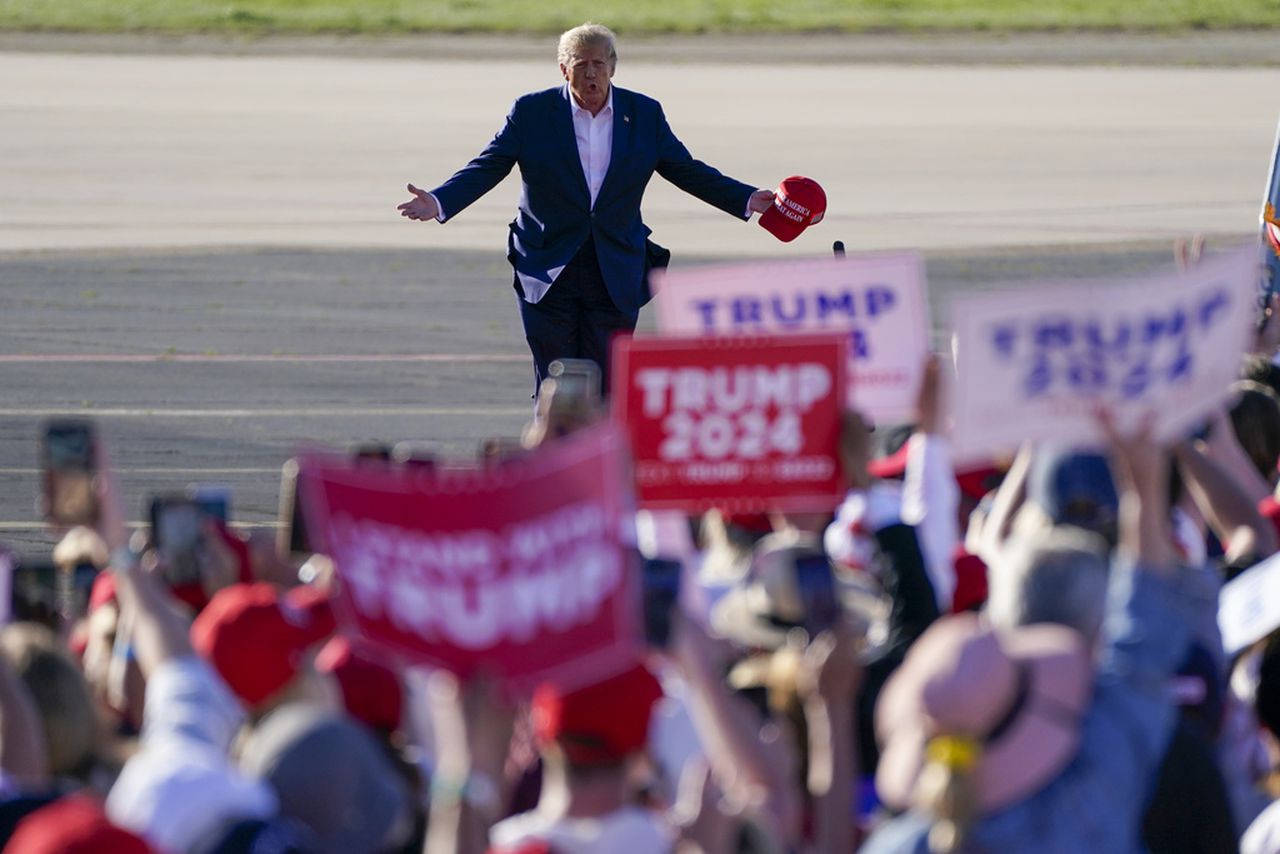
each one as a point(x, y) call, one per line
point(67, 457)
point(818, 593)
point(74, 589)
point(34, 592)
point(661, 582)
point(7, 564)
point(177, 532)
point(214, 500)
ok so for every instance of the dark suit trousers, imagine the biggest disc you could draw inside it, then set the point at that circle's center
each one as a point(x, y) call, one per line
point(575, 319)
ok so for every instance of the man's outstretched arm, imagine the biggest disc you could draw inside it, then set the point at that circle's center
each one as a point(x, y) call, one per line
point(696, 178)
point(485, 171)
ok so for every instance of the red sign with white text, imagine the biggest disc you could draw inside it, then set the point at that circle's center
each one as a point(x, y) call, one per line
point(745, 424)
point(521, 569)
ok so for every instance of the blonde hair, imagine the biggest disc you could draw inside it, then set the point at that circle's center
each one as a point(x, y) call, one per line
point(576, 40)
point(60, 693)
point(947, 791)
point(80, 545)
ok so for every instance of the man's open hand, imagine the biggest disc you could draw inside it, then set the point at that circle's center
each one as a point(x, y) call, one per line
point(422, 206)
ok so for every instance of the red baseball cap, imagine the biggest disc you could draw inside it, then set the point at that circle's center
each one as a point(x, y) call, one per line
point(971, 581)
point(74, 824)
point(371, 691)
point(255, 635)
point(892, 466)
point(978, 479)
point(601, 723)
point(974, 481)
point(797, 204)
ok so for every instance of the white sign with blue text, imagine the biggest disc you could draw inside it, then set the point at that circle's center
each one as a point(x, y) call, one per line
point(1034, 362)
point(1249, 606)
point(879, 299)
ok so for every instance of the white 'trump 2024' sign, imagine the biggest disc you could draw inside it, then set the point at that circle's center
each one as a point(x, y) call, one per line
point(879, 300)
point(1034, 362)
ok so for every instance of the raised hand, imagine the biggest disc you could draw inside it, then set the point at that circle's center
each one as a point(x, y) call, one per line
point(830, 669)
point(1139, 465)
point(111, 525)
point(855, 449)
point(929, 414)
point(421, 207)
point(1188, 254)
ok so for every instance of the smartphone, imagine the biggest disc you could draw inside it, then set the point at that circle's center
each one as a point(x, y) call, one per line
point(69, 462)
point(177, 533)
point(74, 586)
point(37, 591)
point(661, 586)
point(214, 500)
point(33, 592)
point(817, 586)
point(577, 380)
point(292, 540)
point(8, 562)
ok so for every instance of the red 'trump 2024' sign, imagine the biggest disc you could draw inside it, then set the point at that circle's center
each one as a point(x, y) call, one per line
point(747, 423)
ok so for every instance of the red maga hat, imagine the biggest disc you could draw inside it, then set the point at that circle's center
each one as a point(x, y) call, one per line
point(256, 635)
point(371, 691)
point(601, 723)
point(797, 204)
point(75, 824)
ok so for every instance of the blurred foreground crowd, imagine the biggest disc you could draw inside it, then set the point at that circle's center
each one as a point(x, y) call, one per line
point(1020, 657)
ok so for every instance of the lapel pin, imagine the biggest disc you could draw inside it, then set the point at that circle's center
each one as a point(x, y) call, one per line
point(626, 118)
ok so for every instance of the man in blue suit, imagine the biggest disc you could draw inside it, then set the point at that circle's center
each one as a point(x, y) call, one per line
point(578, 244)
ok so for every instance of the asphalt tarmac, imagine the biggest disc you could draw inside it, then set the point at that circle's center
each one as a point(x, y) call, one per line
point(216, 366)
point(202, 252)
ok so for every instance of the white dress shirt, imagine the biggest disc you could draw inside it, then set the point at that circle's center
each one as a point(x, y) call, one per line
point(595, 149)
point(595, 142)
point(930, 501)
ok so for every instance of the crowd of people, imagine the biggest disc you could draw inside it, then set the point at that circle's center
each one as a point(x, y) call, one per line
point(1022, 657)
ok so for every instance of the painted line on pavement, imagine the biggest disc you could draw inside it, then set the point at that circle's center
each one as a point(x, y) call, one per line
point(159, 470)
point(19, 525)
point(310, 412)
point(239, 358)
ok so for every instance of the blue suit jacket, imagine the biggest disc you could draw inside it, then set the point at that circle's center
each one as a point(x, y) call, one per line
point(555, 214)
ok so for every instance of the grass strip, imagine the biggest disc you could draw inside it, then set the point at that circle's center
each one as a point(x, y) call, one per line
point(400, 17)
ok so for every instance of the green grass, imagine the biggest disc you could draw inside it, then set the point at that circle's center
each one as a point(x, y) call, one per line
point(631, 17)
